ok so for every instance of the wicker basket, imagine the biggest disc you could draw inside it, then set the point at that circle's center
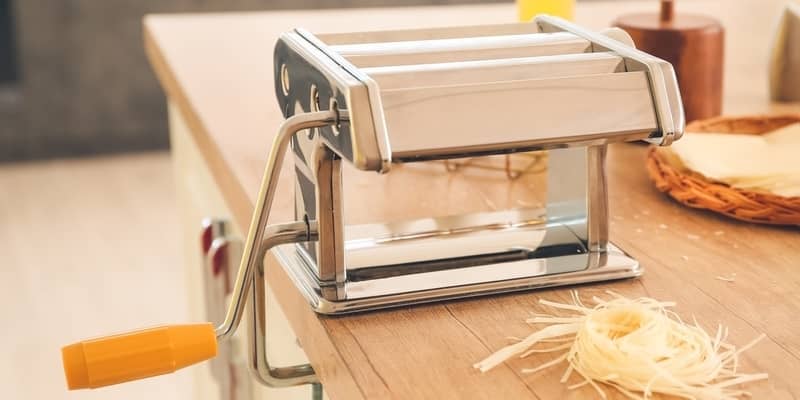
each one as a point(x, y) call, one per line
point(695, 190)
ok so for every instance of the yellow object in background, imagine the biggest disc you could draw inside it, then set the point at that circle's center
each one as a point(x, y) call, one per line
point(527, 9)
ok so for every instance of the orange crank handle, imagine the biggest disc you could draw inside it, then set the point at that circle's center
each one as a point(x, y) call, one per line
point(136, 355)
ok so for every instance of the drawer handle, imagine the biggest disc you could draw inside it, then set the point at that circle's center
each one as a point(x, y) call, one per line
point(212, 228)
point(218, 258)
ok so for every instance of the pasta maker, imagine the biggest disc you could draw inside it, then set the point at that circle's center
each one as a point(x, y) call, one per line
point(380, 101)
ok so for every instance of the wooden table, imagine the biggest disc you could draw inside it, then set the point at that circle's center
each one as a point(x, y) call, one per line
point(217, 70)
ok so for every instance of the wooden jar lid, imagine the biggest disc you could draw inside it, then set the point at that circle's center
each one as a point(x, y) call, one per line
point(693, 44)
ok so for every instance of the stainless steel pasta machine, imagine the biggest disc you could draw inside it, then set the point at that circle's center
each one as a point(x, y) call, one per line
point(377, 99)
point(373, 101)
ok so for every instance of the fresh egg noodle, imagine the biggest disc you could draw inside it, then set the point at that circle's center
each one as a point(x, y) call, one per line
point(637, 346)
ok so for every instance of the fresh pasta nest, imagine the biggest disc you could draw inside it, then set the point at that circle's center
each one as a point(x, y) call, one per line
point(636, 346)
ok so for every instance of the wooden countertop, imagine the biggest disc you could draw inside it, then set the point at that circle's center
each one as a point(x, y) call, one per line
point(218, 69)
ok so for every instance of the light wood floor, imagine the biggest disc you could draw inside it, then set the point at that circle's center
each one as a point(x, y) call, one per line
point(88, 247)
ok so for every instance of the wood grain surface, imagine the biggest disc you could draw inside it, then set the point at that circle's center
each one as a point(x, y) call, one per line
point(217, 69)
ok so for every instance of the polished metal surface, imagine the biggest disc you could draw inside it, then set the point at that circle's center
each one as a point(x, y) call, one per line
point(262, 237)
point(567, 190)
point(273, 235)
point(663, 83)
point(329, 255)
point(227, 370)
point(475, 72)
point(359, 136)
point(430, 94)
point(433, 51)
point(446, 241)
point(431, 122)
point(462, 282)
point(450, 32)
point(406, 91)
point(259, 364)
point(253, 253)
point(597, 197)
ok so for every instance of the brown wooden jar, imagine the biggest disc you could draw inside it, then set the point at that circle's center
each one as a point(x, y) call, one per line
point(694, 44)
